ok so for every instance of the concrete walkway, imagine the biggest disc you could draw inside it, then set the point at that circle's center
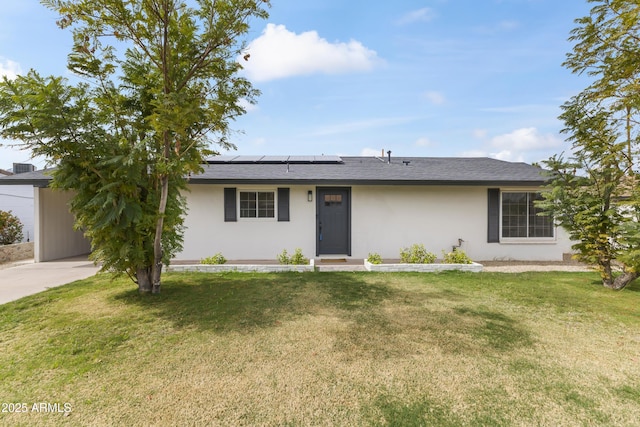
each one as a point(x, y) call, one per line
point(24, 278)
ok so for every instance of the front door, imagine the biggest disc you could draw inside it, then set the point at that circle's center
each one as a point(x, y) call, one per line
point(333, 225)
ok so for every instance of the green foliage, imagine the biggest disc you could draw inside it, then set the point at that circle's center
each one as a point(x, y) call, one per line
point(215, 259)
point(296, 259)
point(10, 228)
point(593, 193)
point(455, 257)
point(374, 258)
point(416, 254)
point(125, 142)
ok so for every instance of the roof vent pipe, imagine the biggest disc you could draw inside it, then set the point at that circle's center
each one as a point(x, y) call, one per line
point(389, 154)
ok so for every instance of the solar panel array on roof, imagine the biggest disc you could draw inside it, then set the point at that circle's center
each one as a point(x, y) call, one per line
point(275, 159)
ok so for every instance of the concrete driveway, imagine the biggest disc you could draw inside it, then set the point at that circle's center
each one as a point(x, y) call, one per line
point(26, 278)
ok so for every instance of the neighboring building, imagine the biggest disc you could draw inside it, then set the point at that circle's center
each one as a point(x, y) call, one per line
point(19, 200)
point(253, 207)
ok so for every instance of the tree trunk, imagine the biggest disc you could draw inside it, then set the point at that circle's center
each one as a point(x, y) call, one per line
point(621, 281)
point(144, 280)
point(156, 268)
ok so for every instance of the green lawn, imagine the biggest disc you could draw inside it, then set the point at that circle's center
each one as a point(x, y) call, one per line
point(444, 349)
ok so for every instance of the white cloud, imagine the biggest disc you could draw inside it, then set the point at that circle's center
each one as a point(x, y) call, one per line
point(421, 15)
point(436, 98)
point(248, 107)
point(280, 53)
point(424, 142)
point(9, 68)
point(521, 145)
point(474, 153)
point(525, 139)
point(508, 155)
point(370, 152)
point(479, 133)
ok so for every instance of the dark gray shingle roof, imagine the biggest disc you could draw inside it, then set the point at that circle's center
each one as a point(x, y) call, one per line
point(373, 170)
point(349, 170)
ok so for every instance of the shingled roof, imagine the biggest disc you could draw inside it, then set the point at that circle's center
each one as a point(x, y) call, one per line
point(369, 170)
point(334, 170)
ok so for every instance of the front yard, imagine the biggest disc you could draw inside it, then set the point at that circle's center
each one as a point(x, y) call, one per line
point(325, 349)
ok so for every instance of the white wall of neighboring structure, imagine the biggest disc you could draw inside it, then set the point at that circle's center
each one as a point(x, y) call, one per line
point(54, 234)
point(19, 200)
point(383, 220)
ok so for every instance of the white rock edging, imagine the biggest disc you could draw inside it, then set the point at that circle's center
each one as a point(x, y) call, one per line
point(244, 268)
point(474, 267)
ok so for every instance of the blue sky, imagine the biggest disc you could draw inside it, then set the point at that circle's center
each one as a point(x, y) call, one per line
point(419, 78)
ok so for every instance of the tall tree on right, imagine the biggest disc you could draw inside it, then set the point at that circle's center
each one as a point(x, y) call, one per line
point(593, 193)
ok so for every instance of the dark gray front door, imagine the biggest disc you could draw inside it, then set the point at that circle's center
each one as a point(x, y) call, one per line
point(333, 225)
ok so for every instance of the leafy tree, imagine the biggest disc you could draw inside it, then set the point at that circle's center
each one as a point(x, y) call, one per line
point(160, 85)
point(593, 194)
point(10, 228)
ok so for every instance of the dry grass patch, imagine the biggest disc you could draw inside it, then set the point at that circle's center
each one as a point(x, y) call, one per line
point(327, 349)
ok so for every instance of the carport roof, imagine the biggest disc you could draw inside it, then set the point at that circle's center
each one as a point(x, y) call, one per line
point(346, 170)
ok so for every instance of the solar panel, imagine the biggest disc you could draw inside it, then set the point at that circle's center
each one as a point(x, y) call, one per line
point(220, 159)
point(275, 159)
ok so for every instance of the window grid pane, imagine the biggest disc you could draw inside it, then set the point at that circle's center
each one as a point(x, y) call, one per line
point(514, 214)
point(257, 204)
point(539, 226)
point(247, 204)
point(520, 216)
point(266, 205)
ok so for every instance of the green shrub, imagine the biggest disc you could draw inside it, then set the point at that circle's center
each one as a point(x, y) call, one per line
point(216, 259)
point(456, 257)
point(374, 258)
point(283, 257)
point(296, 259)
point(416, 254)
point(10, 228)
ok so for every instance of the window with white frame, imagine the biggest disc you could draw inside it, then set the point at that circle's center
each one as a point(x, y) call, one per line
point(520, 216)
point(257, 204)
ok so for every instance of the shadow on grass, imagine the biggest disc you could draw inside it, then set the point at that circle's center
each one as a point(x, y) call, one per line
point(498, 331)
point(378, 319)
point(390, 411)
point(241, 301)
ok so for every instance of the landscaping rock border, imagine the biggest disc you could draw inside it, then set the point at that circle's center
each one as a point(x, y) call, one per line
point(245, 268)
point(424, 268)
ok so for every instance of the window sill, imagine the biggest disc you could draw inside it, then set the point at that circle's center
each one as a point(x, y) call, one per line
point(529, 241)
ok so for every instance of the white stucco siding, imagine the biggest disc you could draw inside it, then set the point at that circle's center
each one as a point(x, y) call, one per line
point(247, 238)
point(383, 220)
point(387, 218)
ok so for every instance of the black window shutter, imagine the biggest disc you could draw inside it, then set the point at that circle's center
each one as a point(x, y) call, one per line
point(283, 204)
point(493, 229)
point(230, 214)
